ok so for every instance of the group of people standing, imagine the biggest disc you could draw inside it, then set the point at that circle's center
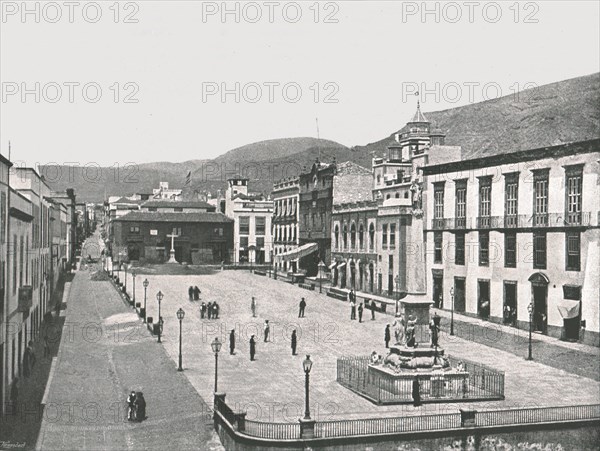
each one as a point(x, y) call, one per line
point(210, 310)
point(136, 406)
point(360, 309)
point(194, 293)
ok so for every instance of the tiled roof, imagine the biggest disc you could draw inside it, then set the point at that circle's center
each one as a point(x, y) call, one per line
point(124, 200)
point(164, 203)
point(152, 216)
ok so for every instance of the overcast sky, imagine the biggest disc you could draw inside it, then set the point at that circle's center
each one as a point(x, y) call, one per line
point(162, 67)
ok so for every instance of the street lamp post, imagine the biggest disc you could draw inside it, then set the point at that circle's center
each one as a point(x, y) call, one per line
point(180, 316)
point(133, 274)
point(397, 292)
point(216, 347)
point(159, 297)
point(145, 283)
point(307, 365)
point(530, 310)
point(452, 312)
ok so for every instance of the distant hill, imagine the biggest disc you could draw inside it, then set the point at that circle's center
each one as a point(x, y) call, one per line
point(547, 115)
point(91, 184)
point(552, 114)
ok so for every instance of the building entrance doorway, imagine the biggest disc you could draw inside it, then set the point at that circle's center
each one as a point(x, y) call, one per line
point(539, 294)
point(459, 294)
point(510, 304)
point(438, 290)
point(483, 301)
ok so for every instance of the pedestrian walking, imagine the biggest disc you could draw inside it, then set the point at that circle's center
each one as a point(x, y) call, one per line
point(232, 342)
point(253, 307)
point(209, 310)
point(360, 312)
point(215, 314)
point(26, 362)
point(372, 310)
point(434, 326)
point(416, 392)
point(302, 307)
point(196, 293)
point(131, 406)
point(202, 309)
point(387, 336)
point(352, 309)
point(140, 407)
point(14, 395)
point(267, 329)
point(32, 358)
point(294, 342)
point(191, 293)
point(46, 345)
point(252, 347)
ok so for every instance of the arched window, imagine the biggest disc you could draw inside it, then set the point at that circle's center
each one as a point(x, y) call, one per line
point(361, 236)
point(397, 195)
point(406, 195)
point(387, 196)
point(371, 236)
point(337, 236)
point(345, 237)
point(353, 236)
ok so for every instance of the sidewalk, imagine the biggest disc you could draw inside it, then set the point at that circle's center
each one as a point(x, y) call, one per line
point(106, 351)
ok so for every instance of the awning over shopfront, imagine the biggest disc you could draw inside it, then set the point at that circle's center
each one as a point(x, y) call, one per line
point(342, 265)
point(333, 265)
point(568, 309)
point(302, 251)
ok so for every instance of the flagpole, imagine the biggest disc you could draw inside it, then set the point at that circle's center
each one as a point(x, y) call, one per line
point(318, 137)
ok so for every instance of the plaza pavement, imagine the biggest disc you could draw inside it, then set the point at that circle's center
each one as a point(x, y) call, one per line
point(272, 387)
point(104, 353)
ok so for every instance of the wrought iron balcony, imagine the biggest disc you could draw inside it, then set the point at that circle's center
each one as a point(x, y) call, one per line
point(581, 219)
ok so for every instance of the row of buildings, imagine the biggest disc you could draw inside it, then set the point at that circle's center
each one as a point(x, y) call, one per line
point(507, 235)
point(38, 241)
point(502, 237)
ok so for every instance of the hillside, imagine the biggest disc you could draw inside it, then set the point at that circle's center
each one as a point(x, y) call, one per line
point(557, 113)
point(92, 183)
point(552, 114)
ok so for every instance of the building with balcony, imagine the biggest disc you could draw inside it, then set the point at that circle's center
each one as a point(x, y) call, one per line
point(252, 214)
point(518, 231)
point(286, 213)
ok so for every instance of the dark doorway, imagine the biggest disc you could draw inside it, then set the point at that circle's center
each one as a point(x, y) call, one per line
point(371, 277)
point(335, 277)
point(379, 283)
point(438, 290)
point(390, 275)
point(353, 275)
point(459, 294)
point(343, 276)
point(483, 298)
point(540, 308)
point(133, 252)
point(179, 254)
point(510, 304)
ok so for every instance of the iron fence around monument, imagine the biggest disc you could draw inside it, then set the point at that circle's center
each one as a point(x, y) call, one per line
point(476, 382)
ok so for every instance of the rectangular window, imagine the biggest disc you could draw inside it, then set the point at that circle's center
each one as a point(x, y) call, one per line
point(573, 251)
point(178, 209)
point(510, 250)
point(392, 235)
point(461, 203)
point(437, 247)
point(438, 204)
point(511, 196)
point(484, 248)
point(573, 185)
point(244, 242)
point(21, 259)
point(485, 201)
point(540, 197)
point(260, 242)
point(384, 236)
point(260, 223)
point(539, 250)
point(244, 225)
point(134, 229)
point(459, 251)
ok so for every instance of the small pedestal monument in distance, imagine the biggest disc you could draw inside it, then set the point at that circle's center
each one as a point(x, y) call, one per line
point(172, 251)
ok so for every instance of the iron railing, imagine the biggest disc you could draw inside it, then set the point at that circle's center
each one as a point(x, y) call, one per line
point(279, 431)
point(579, 219)
point(536, 415)
point(482, 382)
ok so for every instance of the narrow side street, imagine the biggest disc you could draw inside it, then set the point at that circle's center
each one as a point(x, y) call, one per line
point(105, 353)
